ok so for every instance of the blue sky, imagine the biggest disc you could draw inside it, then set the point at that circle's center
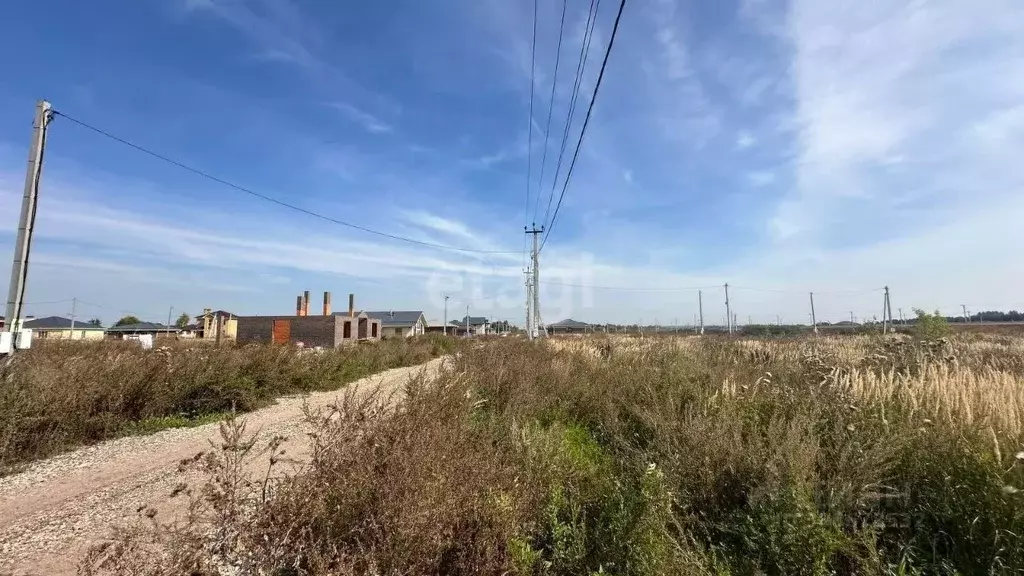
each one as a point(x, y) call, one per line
point(783, 147)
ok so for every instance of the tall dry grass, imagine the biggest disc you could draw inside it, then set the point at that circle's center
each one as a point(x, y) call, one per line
point(57, 396)
point(640, 456)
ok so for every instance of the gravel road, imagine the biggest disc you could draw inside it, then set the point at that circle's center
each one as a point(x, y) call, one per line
point(53, 511)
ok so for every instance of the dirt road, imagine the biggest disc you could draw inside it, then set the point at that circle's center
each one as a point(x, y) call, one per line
point(53, 511)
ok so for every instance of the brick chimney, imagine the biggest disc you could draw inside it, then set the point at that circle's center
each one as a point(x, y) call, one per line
point(327, 303)
point(351, 305)
point(305, 303)
point(298, 305)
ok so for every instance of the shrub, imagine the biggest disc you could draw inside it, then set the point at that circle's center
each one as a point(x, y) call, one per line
point(930, 327)
point(59, 395)
point(665, 456)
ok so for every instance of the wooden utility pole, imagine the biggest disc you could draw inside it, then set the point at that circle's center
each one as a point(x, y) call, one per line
point(26, 224)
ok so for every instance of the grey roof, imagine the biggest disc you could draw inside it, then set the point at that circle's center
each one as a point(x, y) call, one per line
point(397, 317)
point(569, 323)
point(142, 327)
point(58, 323)
point(473, 321)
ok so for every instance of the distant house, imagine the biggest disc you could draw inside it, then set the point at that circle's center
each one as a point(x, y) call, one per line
point(399, 323)
point(478, 325)
point(207, 323)
point(154, 329)
point(58, 327)
point(322, 331)
point(569, 326)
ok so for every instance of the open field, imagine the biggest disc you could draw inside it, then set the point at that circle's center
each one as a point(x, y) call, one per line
point(622, 455)
point(57, 396)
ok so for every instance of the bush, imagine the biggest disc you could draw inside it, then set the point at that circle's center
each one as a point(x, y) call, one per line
point(662, 456)
point(59, 395)
point(930, 327)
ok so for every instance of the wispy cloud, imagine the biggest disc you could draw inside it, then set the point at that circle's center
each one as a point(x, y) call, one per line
point(368, 121)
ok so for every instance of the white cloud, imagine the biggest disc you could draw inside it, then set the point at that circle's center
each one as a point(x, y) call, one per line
point(918, 82)
point(745, 140)
point(368, 121)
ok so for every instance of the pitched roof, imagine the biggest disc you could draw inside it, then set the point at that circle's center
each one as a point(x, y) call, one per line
point(397, 317)
point(215, 313)
point(473, 321)
point(569, 323)
point(142, 327)
point(58, 323)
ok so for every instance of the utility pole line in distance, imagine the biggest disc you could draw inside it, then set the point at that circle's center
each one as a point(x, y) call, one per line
point(538, 324)
point(967, 320)
point(445, 327)
point(26, 224)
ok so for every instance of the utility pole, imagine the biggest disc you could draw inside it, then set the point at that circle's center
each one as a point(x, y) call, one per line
point(467, 320)
point(445, 327)
point(26, 224)
point(778, 320)
point(74, 304)
point(728, 310)
point(814, 319)
point(852, 321)
point(967, 319)
point(529, 305)
point(169, 313)
point(886, 313)
point(538, 323)
point(700, 307)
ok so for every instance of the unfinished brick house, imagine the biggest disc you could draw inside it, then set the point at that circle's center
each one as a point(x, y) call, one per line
point(325, 331)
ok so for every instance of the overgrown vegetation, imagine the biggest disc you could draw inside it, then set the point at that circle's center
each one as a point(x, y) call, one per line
point(657, 456)
point(57, 396)
point(930, 326)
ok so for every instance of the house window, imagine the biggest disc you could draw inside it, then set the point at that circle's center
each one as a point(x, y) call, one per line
point(398, 331)
point(347, 330)
point(373, 331)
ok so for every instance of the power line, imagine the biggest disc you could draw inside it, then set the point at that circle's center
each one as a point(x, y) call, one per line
point(629, 288)
point(551, 109)
point(586, 121)
point(272, 200)
point(581, 64)
point(529, 141)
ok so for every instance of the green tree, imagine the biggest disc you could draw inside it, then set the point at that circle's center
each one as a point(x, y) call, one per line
point(930, 326)
point(95, 322)
point(129, 319)
point(182, 320)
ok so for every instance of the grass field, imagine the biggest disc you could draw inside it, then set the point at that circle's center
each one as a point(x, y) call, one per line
point(58, 396)
point(690, 455)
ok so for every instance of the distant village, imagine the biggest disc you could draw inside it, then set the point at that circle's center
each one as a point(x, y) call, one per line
point(323, 328)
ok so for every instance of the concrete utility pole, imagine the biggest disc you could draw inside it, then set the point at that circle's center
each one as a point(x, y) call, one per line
point(728, 310)
point(467, 320)
point(529, 305)
point(26, 224)
point(74, 304)
point(445, 314)
point(814, 319)
point(535, 323)
point(700, 308)
point(169, 313)
point(778, 320)
point(967, 318)
point(886, 313)
point(852, 321)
